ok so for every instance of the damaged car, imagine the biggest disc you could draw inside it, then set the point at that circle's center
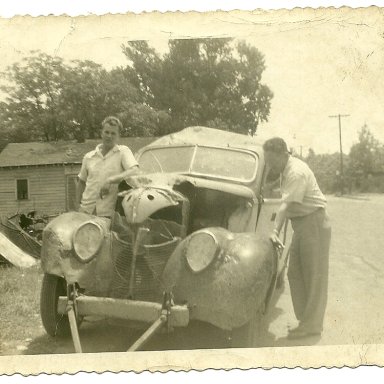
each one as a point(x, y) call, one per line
point(189, 241)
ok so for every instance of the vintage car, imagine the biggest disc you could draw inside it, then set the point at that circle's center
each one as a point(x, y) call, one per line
point(189, 241)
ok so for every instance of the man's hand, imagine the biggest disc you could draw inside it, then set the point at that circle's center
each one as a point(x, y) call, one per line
point(279, 221)
point(274, 237)
point(105, 189)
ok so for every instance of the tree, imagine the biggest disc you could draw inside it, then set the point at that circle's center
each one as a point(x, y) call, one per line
point(31, 109)
point(366, 165)
point(325, 167)
point(311, 154)
point(90, 93)
point(142, 120)
point(52, 100)
point(213, 82)
point(366, 156)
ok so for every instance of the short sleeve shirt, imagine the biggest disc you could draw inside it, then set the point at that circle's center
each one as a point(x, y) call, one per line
point(95, 170)
point(299, 187)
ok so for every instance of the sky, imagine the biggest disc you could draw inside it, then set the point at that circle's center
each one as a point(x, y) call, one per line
point(318, 62)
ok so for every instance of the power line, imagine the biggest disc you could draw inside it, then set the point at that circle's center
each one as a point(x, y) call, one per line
point(341, 153)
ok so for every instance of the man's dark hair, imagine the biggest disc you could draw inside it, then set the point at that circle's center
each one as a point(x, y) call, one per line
point(113, 121)
point(276, 145)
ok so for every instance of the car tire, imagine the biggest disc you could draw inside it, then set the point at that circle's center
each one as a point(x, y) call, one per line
point(250, 334)
point(56, 325)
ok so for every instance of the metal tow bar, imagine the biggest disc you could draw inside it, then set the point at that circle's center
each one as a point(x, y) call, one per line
point(147, 335)
point(72, 316)
point(156, 325)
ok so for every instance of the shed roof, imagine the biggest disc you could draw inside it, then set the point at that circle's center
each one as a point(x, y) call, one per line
point(61, 152)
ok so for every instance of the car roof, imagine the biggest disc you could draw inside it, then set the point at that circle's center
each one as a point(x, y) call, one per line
point(211, 137)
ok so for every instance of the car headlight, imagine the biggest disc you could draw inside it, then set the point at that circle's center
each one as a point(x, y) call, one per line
point(202, 248)
point(87, 240)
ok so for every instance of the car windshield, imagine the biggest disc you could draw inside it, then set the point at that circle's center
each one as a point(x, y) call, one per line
point(224, 163)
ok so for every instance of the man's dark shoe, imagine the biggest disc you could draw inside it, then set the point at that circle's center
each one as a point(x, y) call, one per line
point(299, 333)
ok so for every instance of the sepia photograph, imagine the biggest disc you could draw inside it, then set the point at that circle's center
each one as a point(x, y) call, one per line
point(192, 190)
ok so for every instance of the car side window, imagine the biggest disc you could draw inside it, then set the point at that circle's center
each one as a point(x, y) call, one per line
point(271, 185)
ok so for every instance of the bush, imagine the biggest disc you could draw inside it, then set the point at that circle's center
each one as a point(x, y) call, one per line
point(372, 184)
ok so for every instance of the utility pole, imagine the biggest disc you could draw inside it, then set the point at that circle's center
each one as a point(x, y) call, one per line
point(341, 154)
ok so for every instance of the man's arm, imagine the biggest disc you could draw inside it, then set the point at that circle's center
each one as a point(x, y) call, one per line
point(130, 166)
point(116, 179)
point(293, 192)
point(281, 216)
point(279, 222)
point(80, 187)
point(81, 182)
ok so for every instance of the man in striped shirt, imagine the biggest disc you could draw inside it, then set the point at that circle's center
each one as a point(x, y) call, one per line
point(305, 205)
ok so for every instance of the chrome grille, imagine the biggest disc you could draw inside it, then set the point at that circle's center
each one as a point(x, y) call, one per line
point(150, 263)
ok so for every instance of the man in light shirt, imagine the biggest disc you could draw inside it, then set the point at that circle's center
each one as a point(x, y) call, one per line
point(102, 170)
point(305, 205)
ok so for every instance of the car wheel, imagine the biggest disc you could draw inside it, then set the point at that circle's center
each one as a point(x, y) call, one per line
point(250, 334)
point(54, 323)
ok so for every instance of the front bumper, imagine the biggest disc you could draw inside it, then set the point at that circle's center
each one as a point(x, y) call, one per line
point(125, 309)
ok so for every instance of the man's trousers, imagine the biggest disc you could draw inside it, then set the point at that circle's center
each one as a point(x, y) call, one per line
point(308, 269)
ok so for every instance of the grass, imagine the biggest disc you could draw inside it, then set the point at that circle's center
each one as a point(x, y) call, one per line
point(19, 302)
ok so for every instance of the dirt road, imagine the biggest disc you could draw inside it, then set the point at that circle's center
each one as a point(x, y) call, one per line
point(355, 312)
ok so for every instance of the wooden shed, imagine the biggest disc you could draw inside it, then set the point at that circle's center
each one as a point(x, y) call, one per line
point(41, 176)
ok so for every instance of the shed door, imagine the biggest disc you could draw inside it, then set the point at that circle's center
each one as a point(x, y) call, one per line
point(71, 192)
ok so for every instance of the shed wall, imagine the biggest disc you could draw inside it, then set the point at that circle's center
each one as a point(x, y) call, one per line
point(47, 189)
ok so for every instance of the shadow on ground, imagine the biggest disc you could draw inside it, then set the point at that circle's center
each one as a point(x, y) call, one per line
point(102, 336)
point(112, 336)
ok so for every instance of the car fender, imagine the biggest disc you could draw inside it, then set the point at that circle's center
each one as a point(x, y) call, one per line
point(226, 292)
point(58, 257)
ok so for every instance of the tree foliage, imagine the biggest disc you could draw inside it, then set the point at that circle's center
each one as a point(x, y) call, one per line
point(366, 165)
point(212, 82)
point(32, 108)
point(363, 166)
point(367, 155)
point(325, 167)
point(48, 99)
